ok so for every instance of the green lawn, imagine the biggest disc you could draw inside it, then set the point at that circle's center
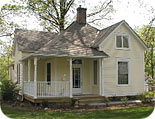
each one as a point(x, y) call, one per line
point(130, 113)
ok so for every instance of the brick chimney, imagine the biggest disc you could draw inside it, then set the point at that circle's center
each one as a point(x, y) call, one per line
point(81, 15)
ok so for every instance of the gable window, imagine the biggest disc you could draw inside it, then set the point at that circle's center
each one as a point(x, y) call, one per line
point(123, 72)
point(122, 41)
point(18, 73)
point(95, 71)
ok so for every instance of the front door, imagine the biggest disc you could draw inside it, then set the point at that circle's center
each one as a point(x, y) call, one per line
point(76, 79)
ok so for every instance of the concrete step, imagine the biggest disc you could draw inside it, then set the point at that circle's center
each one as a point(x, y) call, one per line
point(88, 100)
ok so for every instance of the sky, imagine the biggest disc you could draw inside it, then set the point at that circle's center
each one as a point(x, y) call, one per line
point(129, 10)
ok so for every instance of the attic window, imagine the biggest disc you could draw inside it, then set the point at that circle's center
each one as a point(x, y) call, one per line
point(122, 42)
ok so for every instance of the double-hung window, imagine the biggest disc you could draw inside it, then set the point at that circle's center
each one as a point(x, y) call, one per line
point(122, 41)
point(123, 72)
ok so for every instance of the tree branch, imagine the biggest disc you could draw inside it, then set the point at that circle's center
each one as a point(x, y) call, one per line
point(101, 9)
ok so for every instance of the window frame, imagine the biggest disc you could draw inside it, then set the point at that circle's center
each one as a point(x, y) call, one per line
point(122, 48)
point(123, 60)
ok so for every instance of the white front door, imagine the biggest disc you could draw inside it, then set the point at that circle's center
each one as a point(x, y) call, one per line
point(76, 79)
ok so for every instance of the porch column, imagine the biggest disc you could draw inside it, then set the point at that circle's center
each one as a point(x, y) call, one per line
point(102, 72)
point(23, 78)
point(71, 84)
point(29, 70)
point(35, 77)
point(100, 77)
point(55, 76)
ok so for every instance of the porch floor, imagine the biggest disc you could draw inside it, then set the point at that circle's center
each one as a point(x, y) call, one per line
point(83, 99)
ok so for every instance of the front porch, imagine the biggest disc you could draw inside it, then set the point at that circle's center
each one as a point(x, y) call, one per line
point(62, 77)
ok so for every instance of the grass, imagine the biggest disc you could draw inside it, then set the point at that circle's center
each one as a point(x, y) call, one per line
point(128, 113)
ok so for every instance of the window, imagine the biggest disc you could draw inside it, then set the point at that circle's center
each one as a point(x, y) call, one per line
point(122, 41)
point(95, 72)
point(123, 72)
point(18, 73)
point(77, 61)
point(48, 73)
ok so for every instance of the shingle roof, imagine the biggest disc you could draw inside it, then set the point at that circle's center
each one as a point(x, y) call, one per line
point(76, 40)
point(28, 40)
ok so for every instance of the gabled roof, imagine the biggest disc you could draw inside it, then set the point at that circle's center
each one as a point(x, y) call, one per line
point(76, 40)
point(28, 40)
point(104, 33)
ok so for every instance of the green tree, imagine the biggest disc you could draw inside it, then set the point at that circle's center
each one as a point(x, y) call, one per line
point(147, 34)
point(5, 59)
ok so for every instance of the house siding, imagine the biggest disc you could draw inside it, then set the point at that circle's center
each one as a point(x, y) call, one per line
point(134, 54)
point(86, 76)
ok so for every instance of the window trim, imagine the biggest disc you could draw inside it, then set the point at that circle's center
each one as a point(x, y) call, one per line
point(123, 60)
point(122, 48)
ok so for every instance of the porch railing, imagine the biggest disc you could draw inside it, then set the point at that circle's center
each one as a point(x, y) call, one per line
point(29, 88)
point(48, 89)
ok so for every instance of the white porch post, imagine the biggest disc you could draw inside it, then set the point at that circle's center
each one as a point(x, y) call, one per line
point(29, 70)
point(23, 78)
point(70, 68)
point(55, 76)
point(35, 77)
point(102, 94)
point(100, 77)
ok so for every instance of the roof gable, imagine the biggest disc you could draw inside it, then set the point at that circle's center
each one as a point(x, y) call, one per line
point(104, 33)
point(114, 28)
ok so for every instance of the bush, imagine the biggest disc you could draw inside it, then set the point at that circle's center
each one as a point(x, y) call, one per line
point(106, 101)
point(21, 104)
point(124, 100)
point(45, 104)
point(146, 97)
point(8, 90)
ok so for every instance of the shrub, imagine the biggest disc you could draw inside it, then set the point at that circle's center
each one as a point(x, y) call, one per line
point(45, 104)
point(21, 104)
point(124, 100)
point(73, 102)
point(106, 101)
point(8, 90)
point(146, 97)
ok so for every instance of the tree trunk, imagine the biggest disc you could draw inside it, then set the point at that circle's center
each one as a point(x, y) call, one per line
point(62, 15)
